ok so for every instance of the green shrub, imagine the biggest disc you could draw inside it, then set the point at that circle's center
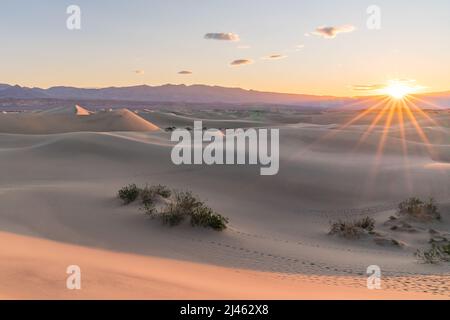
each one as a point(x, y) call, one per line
point(180, 205)
point(149, 208)
point(172, 215)
point(186, 205)
point(183, 206)
point(162, 191)
point(129, 193)
point(366, 223)
point(149, 195)
point(418, 209)
point(437, 253)
point(352, 229)
point(206, 217)
point(186, 202)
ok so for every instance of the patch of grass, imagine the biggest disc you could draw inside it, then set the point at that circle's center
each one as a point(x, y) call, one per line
point(180, 205)
point(365, 223)
point(207, 218)
point(172, 215)
point(150, 194)
point(129, 194)
point(149, 208)
point(418, 209)
point(436, 254)
point(162, 191)
point(352, 229)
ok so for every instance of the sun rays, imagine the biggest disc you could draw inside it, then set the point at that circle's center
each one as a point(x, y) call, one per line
point(394, 122)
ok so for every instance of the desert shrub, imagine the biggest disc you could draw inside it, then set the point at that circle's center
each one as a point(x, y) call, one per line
point(345, 229)
point(205, 217)
point(149, 208)
point(366, 223)
point(186, 202)
point(162, 191)
point(352, 229)
point(179, 206)
point(418, 209)
point(147, 196)
point(172, 215)
point(437, 253)
point(150, 194)
point(129, 193)
point(183, 205)
point(186, 205)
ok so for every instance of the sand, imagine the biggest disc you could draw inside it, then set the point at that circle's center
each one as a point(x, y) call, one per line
point(40, 273)
point(73, 119)
point(58, 207)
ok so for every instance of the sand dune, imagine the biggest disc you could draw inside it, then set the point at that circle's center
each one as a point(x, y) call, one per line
point(73, 120)
point(62, 187)
point(41, 273)
point(75, 110)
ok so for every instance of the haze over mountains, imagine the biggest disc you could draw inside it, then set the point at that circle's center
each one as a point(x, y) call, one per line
point(191, 94)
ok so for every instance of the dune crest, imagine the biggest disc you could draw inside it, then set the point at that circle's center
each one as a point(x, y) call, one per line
point(70, 110)
point(73, 119)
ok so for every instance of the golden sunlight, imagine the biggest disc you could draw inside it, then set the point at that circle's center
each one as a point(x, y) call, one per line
point(399, 89)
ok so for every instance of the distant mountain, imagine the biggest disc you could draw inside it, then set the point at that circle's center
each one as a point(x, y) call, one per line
point(172, 94)
point(18, 92)
point(201, 94)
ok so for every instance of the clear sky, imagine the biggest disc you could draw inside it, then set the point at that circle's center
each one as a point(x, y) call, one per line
point(134, 42)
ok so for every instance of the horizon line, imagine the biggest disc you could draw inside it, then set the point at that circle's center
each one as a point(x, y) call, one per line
point(224, 87)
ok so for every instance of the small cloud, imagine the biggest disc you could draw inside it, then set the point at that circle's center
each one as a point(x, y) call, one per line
point(299, 47)
point(185, 72)
point(222, 36)
point(139, 72)
point(275, 57)
point(307, 34)
point(332, 32)
point(240, 62)
point(243, 47)
point(367, 87)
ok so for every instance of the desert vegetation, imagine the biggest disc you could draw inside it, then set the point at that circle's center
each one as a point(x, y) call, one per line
point(173, 207)
point(436, 254)
point(352, 229)
point(129, 193)
point(419, 210)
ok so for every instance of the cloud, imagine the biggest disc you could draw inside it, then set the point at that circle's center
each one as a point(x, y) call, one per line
point(332, 32)
point(240, 62)
point(185, 72)
point(275, 57)
point(222, 36)
point(139, 71)
point(367, 87)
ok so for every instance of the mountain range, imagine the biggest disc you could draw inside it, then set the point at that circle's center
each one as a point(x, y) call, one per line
point(202, 94)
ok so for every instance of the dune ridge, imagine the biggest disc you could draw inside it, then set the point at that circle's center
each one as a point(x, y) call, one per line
point(73, 119)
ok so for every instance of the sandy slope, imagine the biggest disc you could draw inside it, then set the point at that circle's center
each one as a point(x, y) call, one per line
point(62, 187)
point(73, 119)
point(40, 273)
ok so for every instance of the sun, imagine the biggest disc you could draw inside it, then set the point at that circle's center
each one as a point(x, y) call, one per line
point(398, 90)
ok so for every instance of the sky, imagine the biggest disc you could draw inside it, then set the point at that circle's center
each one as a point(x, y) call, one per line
point(293, 46)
